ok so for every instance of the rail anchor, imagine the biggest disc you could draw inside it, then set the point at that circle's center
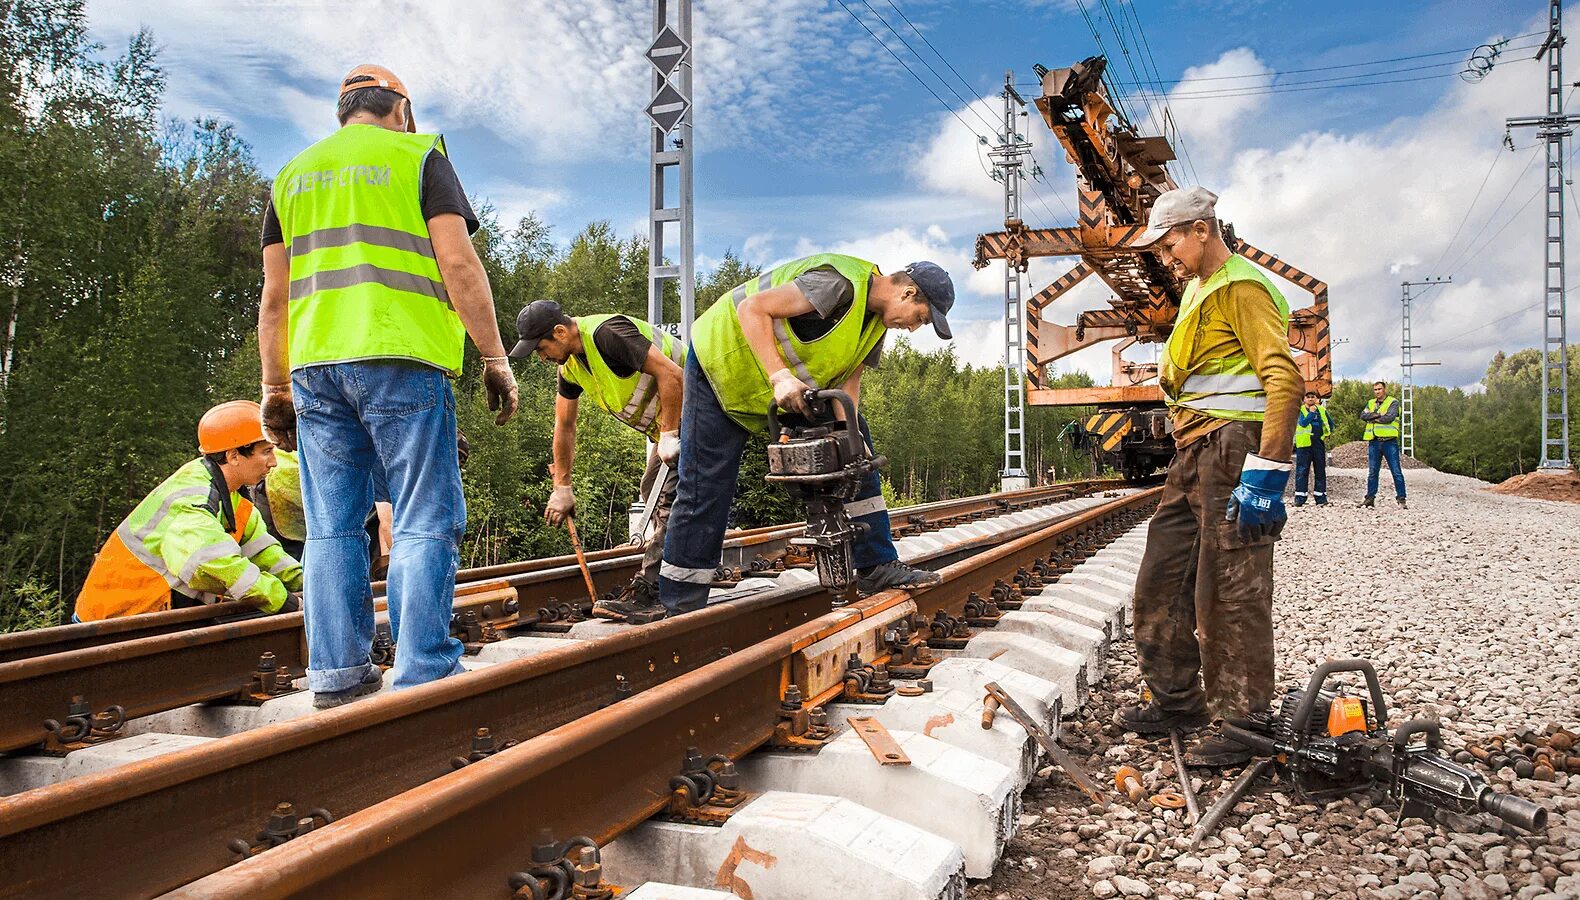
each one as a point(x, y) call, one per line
point(706, 792)
point(800, 729)
point(82, 727)
point(553, 875)
point(283, 825)
point(268, 681)
point(483, 746)
point(866, 683)
point(948, 632)
point(909, 655)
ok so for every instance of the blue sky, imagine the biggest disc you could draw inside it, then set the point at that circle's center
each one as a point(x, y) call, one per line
point(811, 136)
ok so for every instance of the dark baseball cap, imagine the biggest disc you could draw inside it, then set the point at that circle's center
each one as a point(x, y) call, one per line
point(535, 322)
point(937, 289)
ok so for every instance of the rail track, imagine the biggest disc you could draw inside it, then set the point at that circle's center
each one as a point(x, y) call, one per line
point(597, 727)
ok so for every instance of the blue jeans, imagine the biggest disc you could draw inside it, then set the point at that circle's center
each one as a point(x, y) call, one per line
point(1307, 459)
point(359, 423)
point(1378, 450)
point(711, 444)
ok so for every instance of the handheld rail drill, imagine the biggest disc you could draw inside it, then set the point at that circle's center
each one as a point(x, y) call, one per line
point(823, 462)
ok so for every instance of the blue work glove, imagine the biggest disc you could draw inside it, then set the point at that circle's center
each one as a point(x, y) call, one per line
point(1258, 503)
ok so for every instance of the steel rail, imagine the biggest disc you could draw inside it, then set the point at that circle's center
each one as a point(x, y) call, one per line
point(465, 832)
point(76, 636)
point(203, 797)
point(166, 671)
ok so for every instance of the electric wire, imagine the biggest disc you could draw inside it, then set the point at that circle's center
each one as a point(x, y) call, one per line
point(1375, 62)
point(1168, 111)
point(912, 72)
point(967, 104)
point(1496, 157)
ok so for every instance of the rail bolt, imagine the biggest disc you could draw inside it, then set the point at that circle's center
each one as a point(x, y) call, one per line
point(792, 698)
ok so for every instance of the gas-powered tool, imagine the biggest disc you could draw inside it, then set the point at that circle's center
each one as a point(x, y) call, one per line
point(823, 461)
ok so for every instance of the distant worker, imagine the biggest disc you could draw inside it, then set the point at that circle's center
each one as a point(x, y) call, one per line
point(371, 285)
point(1311, 450)
point(813, 323)
point(632, 371)
point(194, 539)
point(1204, 594)
point(1382, 442)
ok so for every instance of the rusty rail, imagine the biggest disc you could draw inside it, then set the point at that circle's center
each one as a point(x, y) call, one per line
point(352, 758)
point(465, 832)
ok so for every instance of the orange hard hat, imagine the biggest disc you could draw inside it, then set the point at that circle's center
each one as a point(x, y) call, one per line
point(368, 75)
point(238, 423)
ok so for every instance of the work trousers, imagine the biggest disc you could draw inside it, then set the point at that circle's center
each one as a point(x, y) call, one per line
point(711, 444)
point(1377, 450)
point(653, 556)
point(358, 423)
point(1204, 596)
point(1311, 462)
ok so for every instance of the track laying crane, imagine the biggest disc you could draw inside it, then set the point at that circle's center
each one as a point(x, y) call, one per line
point(1119, 174)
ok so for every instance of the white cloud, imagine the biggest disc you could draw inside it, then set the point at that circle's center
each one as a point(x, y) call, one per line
point(1214, 124)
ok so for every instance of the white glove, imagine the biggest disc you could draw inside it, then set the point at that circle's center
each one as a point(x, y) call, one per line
point(669, 447)
point(789, 391)
point(562, 505)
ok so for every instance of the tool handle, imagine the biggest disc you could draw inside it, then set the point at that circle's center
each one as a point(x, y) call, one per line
point(581, 559)
point(1260, 744)
point(831, 396)
point(1308, 702)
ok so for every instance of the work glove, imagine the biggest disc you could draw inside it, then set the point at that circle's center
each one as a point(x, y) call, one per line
point(279, 416)
point(562, 505)
point(1258, 502)
point(789, 392)
point(669, 447)
point(463, 447)
point(499, 383)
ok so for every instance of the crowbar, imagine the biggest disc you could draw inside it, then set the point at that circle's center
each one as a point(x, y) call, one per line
point(1058, 754)
point(651, 507)
point(1191, 806)
point(1226, 802)
point(581, 560)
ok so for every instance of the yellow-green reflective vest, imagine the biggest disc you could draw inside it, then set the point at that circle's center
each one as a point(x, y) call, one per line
point(1225, 387)
point(284, 487)
point(1303, 432)
point(1382, 429)
point(634, 399)
point(364, 280)
point(735, 373)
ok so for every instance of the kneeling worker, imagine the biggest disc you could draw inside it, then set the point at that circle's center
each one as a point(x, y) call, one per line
point(195, 540)
point(813, 323)
point(632, 371)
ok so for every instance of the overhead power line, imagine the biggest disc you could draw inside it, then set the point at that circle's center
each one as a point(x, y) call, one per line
point(991, 126)
point(912, 72)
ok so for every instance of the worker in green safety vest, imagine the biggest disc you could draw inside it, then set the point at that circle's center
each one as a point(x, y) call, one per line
point(812, 323)
point(632, 371)
point(1311, 450)
point(371, 286)
point(1381, 416)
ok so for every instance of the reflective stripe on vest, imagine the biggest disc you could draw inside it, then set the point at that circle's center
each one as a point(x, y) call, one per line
point(1225, 387)
point(1383, 430)
point(633, 399)
point(738, 377)
point(1303, 432)
point(364, 280)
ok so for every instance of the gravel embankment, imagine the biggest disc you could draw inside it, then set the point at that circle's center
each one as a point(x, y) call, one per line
point(1468, 604)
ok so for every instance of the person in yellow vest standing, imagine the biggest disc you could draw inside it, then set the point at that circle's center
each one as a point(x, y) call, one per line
point(811, 323)
point(1311, 450)
point(371, 285)
point(1204, 594)
point(1382, 442)
point(194, 539)
point(632, 371)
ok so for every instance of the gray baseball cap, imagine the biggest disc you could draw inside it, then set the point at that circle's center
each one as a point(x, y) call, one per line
point(1180, 206)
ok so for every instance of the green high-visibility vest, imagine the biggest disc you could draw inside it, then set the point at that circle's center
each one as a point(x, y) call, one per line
point(1225, 387)
point(633, 399)
point(364, 280)
point(735, 373)
point(1303, 432)
point(1382, 429)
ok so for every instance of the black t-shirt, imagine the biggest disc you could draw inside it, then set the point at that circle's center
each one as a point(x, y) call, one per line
point(622, 346)
point(831, 295)
point(441, 193)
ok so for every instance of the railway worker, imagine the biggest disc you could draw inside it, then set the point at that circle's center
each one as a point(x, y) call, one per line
point(371, 286)
point(1382, 442)
point(1311, 450)
point(194, 539)
point(632, 371)
point(815, 322)
point(1204, 594)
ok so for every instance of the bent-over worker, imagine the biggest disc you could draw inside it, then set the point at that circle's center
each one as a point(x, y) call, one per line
point(1204, 595)
point(812, 323)
point(632, 371)
point(194, 539)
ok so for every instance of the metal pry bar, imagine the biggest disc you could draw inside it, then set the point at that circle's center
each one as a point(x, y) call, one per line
point(1058, 754)
point(1227, 800)
point(1191, 806)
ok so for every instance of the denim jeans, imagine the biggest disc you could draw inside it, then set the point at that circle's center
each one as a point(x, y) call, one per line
point(711, 444)
point(358, 423)
point(1308, 460)
point(1376, 451)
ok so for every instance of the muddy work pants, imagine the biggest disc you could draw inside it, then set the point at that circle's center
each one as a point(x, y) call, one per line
point(1204, 597)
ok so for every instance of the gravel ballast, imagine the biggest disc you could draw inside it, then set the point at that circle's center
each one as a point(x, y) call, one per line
point(1467, 603)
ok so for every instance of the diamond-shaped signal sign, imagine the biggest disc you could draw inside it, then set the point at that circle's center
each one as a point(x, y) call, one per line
point(668, 108)
point(667, 51)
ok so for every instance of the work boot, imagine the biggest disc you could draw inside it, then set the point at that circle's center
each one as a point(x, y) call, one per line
point(893, 575)
point(372, 680)
point(1150, 718)
point(1214, 751)
point(636, 603)
point(1322, 501)
point(1369, 502)
point(1301, 502)
point(1402, 504)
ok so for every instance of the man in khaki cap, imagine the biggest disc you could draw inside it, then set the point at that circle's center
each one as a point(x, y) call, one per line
point(1204, 595)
